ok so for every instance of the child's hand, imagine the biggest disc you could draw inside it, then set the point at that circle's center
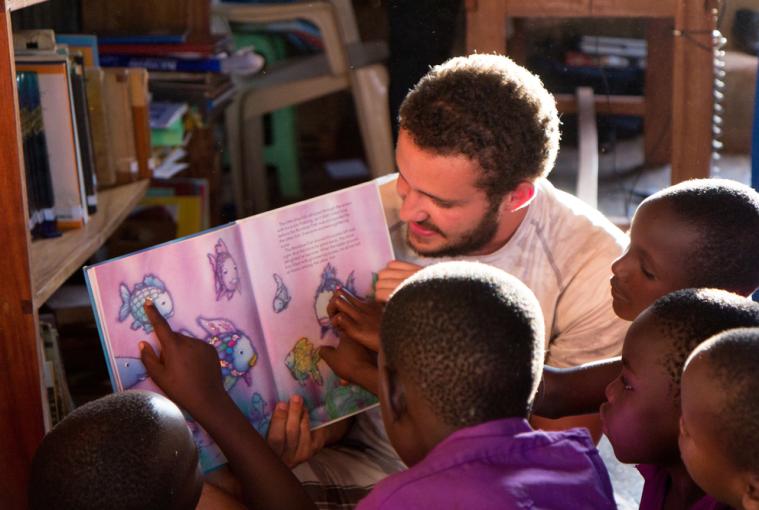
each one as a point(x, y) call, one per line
point(187, 369)
point(392, 276)
point(289, 433)
point(353, 362)
point(355, 318)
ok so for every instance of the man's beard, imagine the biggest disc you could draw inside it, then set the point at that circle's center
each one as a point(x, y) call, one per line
point(469, 242)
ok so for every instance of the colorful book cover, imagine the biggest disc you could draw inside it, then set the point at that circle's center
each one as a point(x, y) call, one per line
point(257, 290)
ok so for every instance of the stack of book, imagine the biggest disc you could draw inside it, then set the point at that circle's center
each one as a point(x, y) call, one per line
point(75, 116)
point(167, 138)
point(195, 70)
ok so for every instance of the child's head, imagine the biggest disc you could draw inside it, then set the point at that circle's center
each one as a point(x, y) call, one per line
point(642, 412)
point(719, 436)
point(699, 233)
point(124, 451)
point(461, 344)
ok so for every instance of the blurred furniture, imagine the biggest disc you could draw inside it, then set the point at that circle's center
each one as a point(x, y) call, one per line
point(346, 64)
point(678, 106)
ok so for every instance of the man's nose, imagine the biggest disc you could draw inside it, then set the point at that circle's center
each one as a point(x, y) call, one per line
point(412, 208)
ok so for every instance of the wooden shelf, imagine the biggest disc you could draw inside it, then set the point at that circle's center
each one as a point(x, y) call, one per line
point(54, 260)
point(15, 5)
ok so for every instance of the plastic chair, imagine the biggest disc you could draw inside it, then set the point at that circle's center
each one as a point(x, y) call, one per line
point(346, 63)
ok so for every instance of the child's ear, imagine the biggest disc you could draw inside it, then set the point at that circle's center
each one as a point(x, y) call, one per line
point(750, 498)
point(393, 389)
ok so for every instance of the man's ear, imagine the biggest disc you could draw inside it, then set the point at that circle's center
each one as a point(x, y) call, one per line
point(393, 391)
point(750, 497)
point(519, 197)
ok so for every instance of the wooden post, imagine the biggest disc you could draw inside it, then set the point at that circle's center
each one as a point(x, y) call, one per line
point(486, 26)
point(21, 418)
point(693, 81)
point(658, 105)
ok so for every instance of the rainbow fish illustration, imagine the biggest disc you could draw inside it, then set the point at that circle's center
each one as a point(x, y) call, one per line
point(328, 285)
point(224, 267)
point(302, 361)
point(133, 301)
point(281, 296)
point(236, 352)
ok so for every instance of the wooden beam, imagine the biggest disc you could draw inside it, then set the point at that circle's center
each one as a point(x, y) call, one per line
point(604, 105)
point(693, 83)
point(657, 134)
point(589, 8)
point(21, 419)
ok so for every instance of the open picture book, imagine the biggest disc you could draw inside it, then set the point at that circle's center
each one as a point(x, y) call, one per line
point(257, 290)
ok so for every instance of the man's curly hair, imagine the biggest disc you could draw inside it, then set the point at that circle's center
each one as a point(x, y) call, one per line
point(492, 111)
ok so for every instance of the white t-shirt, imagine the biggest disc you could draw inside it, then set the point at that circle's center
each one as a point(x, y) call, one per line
point(562, 251)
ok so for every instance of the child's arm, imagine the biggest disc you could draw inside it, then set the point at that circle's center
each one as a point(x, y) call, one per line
point(188, 371)
point(353, 362)
point(575, 390)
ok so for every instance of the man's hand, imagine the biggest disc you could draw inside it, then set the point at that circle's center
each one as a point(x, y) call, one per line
point(352, 362)
point(392, 276)
point(187, 369)
point(289, 433)
point(355, 318)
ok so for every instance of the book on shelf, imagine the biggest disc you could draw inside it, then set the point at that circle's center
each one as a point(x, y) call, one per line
point(105, 164)
point(61, 136)
point(140, 100)
point(241, 62)
point(164, 114)
point(120, 123)
point(145, 38)
point(39, 186)
point(257, 290)
point(83, 130)
point(86, 44)
point(195, 46)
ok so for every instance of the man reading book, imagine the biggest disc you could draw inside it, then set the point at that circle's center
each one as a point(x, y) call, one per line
point(478, 135)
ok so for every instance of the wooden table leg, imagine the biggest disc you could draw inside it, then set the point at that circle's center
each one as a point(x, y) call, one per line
point(486, 26)
point(693, 90)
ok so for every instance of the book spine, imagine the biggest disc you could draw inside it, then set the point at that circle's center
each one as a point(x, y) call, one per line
point(187, 65)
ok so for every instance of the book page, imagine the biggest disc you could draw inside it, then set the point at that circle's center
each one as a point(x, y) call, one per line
point(200, 284)
point(298, 256)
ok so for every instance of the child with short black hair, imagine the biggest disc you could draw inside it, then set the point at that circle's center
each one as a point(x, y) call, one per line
point(641, 416)
point(125, 451)
point(719, 437)
point(699, 233)
point(461, 354)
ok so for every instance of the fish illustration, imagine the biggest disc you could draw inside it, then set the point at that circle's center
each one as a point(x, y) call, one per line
point(224, 267)
point(302, 361)
point(132, 302)
point(344, 399)
point(131, 371)
point(258, 414)
point(328, 285)
point(281, 296)
point(236, 352)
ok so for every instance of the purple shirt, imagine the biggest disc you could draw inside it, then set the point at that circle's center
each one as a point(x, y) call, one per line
point(501, 464)
point(655, 490)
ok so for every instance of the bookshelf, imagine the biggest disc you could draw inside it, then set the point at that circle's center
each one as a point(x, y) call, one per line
point(29, 273)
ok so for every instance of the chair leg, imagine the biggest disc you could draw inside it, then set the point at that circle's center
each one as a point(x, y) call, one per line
point(369, 86)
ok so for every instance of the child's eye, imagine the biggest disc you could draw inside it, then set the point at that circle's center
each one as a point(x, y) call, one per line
point(649, 275)
point(626, 385)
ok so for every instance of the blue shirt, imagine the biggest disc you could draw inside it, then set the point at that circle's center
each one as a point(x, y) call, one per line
point(501, 464)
